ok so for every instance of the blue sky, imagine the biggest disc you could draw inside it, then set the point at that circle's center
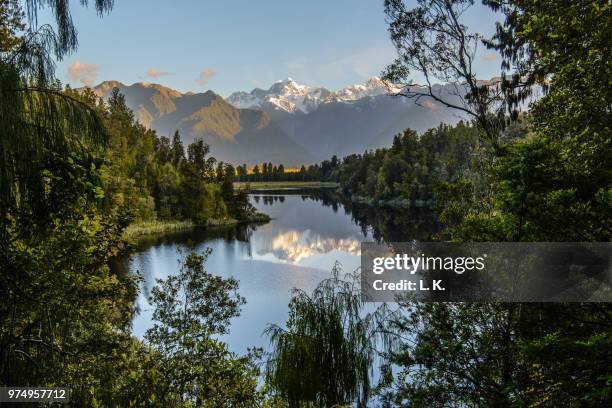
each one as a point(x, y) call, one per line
point(226, 46)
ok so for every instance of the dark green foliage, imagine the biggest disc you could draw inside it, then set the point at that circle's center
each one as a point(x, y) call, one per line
point(35, 116)
point(73, 172)
point(556, 184)
point(501, 355)
point(177, 152)
point(12, 18)
point(56, 319)
point(462, 354)
point(553, 184)
point(407, 173)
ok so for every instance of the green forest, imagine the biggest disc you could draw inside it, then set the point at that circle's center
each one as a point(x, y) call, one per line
point(77, 172)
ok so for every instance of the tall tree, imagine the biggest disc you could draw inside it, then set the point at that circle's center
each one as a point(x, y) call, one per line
point(432, 40)
point(35, 115)
point(177, 149)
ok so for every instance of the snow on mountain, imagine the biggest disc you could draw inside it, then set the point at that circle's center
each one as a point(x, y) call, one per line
point(287, 95)
point(373, 87)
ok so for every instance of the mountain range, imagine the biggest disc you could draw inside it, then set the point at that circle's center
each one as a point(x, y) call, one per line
point(287, 123)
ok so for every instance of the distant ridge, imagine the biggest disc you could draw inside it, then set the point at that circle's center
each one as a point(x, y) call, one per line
point(288, 123)
point(235, 135)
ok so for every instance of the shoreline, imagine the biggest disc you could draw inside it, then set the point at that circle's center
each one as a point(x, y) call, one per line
point(138, 230)
point(261, 185)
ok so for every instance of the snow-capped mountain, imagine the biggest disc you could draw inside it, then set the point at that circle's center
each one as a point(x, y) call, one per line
point(373, 87)
point(287, 123)
point(288, 96)
point(349, 120)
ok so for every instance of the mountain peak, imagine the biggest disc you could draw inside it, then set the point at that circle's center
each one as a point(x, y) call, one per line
point(374, 86)
point(374, 81)
point(283, 95)
point(160, 88)
point(289, 96)
point(103, 86)
point(288, 86)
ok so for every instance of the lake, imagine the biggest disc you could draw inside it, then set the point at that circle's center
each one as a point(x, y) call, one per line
point(310, 230)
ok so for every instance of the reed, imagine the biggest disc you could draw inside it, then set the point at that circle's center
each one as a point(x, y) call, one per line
point(156, 227)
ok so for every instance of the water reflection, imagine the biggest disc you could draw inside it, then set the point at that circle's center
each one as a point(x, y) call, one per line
point(295, 246)
point(309, 231)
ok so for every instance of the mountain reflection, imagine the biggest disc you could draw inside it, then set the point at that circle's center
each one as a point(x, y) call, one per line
point(294, 246)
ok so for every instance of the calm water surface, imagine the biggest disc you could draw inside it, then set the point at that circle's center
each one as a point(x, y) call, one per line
point(308, 233)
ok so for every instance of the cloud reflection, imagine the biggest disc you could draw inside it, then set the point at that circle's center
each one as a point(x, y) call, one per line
point(294, 246)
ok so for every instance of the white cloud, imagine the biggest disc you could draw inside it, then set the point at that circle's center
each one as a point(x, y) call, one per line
point(84, 73)
point(205, 75)
point(153, 73)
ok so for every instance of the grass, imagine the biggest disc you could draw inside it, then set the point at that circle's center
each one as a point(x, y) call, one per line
point(156, 227)
point(140, 229)
point(284, 184)
point(220, 222)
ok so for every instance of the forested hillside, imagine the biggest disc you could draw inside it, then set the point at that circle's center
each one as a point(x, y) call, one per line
point(147, 177)
point(235, 135)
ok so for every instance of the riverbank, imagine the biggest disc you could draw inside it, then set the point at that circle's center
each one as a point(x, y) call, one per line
point(254, 185)
point(138, 229)
point(158, 227)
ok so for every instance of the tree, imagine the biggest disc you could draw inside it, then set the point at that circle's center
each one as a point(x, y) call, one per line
point(38, 119)
point(11, 17)
point(303, 172)
point(325, 354)
point(557, 196)
point(242, 172)
point(553, 185)
point(66, 40)
point(64, 313)
point(190, 308)
point(432, 40)
point(177, 150)
point(462, 354)
point(227, 188)
point(502, 355)
point(163, 150)
point(220, 172)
